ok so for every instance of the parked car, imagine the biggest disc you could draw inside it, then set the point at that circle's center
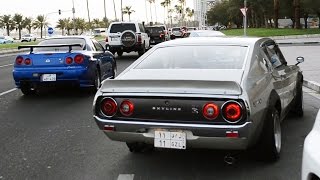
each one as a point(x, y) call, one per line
point(311, 153)
point(177, 32)
point(28, 38)
point(157, 34)
point(127, 37)
point(69, 60)
point(206, 33)
point(220, 93)
point(6, 39)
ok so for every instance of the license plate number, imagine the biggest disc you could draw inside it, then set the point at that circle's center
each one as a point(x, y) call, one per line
point(115, 39)
point(48, 77)
point(170, 139)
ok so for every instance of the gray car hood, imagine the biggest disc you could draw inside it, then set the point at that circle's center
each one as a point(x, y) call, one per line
point(189, 81)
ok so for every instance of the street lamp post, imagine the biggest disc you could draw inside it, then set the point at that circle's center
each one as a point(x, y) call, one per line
point(74, 18)
point(105, 13)
point(88, 14)
point(121, 12)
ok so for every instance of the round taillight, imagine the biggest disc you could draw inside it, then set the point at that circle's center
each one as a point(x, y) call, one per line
point(232, 111)
point(108, 107)
point(210, 111)
point(19, 60)
point(27, 61)
point(126, 108)
point(79, 59)
point(69, 60)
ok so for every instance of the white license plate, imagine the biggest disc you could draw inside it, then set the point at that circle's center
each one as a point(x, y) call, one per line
point(115, 39)
point(170, 139)
point(48, 77)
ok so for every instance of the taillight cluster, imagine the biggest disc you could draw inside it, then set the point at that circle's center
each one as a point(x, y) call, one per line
point(139, 38)
point(21, 61)
point(109, 107)
point(231, 111)
point(78, 59)
point(107, 39)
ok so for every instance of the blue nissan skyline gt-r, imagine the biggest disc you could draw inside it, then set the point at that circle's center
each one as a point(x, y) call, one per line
point(70, 60)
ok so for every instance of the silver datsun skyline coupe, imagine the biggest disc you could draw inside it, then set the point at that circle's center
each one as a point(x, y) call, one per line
point(220, 93)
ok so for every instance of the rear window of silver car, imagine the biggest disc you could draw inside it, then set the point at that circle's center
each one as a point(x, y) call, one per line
point(195, 57)
point(62, 41)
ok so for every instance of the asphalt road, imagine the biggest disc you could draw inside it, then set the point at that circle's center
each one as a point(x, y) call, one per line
point(53, 136)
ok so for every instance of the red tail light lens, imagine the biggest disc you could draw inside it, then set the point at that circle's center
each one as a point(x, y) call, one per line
point(79, 59)
point(69, 60)
point(27, 61)
point(232, 111)
point(107, 39)
point(139, 38)
point(126, 108)
point(210, 111)
point(109, 107)
point(19, 60)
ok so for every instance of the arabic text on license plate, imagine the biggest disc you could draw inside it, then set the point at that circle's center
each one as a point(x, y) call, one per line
point(115, 39)
point(170, 139)
point(49, 77)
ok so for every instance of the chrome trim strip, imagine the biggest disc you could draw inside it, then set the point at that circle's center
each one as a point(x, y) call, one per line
point(172, 124)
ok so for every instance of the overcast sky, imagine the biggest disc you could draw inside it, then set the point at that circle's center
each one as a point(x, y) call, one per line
point(32, 8)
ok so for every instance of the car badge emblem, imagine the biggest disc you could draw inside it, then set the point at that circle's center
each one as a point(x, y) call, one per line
point(47, 60)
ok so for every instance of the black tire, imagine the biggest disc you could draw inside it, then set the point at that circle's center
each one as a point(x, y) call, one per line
point(120, 53)
point(142, 51)
point(298, 101)
point(269, 145)
point(27, 91)
point(113, 52)
point(139, 147)
point(97, 81)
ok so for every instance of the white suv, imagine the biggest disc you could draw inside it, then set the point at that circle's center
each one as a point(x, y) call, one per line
point(127, 37)
point(28, 38)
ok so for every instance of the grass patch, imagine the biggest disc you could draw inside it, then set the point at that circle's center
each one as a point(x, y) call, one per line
point(265, 32)
point(100, 38)
point(15, 45)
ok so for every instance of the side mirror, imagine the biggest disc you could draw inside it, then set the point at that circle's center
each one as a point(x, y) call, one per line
point(299, 60)
point(172, 36)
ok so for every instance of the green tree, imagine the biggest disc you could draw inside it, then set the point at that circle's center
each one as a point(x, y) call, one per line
point(41, 23)
point(128, 10)
point(96, 23)
point(62, 25)
point(7, 22)
point(80, 24)
point(27, 23)
point(105, 22)
point(19, 24)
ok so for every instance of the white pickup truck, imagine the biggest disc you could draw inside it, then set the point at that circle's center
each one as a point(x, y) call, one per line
point(127, 37)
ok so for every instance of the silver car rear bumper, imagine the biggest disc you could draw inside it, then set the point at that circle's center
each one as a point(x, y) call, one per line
point(198, 135)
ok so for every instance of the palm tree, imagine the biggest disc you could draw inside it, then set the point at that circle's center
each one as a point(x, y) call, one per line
point(80, 24)
point(155, 10)
point(190, 13)
point(104, 22)
point(151, 1)
point(276, 6)
point(115, 11)
point(163, 4)
point(68, 25)
point(41, 23)
point(27, 23)
point(145, 2)
point(18, 19)
point(170, 11)
point(7, 22)
point(178, 9)
point(96, 23)
point(62, 25)
point(128, 10)
point(182, 4)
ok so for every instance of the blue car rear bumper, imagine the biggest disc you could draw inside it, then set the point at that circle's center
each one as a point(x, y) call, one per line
point(80, 75)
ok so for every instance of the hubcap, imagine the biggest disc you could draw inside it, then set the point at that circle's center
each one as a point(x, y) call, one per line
point(277, 132)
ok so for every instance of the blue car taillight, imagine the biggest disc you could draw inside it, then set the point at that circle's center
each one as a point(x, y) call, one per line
point(19, 60)
point(79, 59)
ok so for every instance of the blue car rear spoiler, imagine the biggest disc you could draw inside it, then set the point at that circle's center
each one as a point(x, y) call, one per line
point(48, 46)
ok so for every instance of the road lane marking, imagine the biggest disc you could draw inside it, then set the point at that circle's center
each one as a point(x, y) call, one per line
point(7, 92)
point(6, 65)
point(125, 177)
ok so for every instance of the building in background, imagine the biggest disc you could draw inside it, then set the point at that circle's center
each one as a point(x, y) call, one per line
point(200, 10)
